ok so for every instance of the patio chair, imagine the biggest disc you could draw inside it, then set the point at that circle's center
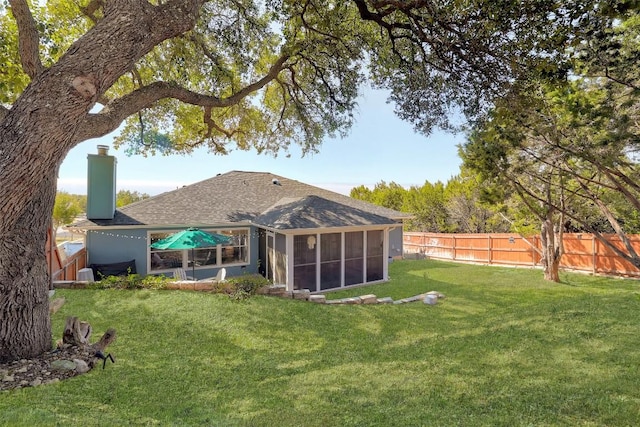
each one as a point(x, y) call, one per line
point(180, 274)
point(219, 277)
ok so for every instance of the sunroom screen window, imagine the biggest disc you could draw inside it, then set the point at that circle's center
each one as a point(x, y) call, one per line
point(304, 262)
point(375, 240)
point(330, 260)
point(353, 258)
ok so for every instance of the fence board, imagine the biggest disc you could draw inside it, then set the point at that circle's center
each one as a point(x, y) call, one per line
point(64, 268)
point(583, 252)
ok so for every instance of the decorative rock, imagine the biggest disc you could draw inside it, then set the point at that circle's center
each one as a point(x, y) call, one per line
point(63, 365)
point(8, 379)
point(24, 369)
point(56, 304)
point(385, 300)
point(320, 299)
point(431, 299)
point(35, 382)
point(369, 299)
point(354, 300)
point(203, 286)
point(81, 366)
point(436, 293)
point(275, 290)
point(302, 294)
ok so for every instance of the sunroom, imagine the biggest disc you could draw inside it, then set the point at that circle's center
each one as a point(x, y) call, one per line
point(316, 244)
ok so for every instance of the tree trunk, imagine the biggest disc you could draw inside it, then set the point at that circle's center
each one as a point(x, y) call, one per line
point(550, 251)
point(25, 329)
point(49, 118)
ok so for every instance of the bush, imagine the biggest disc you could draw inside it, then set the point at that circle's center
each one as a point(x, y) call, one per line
point(131, 281)
point(241, 287)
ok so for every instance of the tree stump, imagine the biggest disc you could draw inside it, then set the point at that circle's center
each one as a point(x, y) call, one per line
point(77, 333)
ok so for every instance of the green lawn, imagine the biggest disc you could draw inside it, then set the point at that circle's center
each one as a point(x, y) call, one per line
point(505, 348)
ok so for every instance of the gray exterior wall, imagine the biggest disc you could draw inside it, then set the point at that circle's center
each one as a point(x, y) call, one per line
point(395, 242)
point(118, 245)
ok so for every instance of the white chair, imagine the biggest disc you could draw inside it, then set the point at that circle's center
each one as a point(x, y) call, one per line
point(222, 273)
point(180, 274)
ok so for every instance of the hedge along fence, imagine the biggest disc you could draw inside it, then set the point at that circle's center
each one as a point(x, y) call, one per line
point(583, 252)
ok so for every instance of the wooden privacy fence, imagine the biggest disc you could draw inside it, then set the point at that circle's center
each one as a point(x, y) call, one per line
point(62, 267)
point(583, 252)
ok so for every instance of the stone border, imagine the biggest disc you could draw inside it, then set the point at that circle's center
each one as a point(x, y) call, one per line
point(430, 298)
point(187, 285)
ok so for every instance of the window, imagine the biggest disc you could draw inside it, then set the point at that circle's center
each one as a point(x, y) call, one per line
point(236, 251)
point(330, 260)
point(353, 258)
point(375, 240)
point(304, 262)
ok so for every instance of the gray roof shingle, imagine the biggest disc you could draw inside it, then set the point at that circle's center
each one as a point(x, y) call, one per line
point(316, 212)
point(234, 197)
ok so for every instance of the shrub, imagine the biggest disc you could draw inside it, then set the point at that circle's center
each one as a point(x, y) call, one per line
point(241, 287)
point(131, 281)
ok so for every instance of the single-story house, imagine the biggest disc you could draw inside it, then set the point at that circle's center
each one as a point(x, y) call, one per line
point(293, 233)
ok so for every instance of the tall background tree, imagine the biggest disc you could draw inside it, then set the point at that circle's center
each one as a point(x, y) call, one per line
point(65, 209)
point(568, 148)
point(126, 197)
point(256, 74)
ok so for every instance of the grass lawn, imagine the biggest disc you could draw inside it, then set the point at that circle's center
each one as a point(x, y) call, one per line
point(505, 348)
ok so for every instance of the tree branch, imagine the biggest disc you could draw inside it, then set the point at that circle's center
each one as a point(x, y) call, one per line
point(632, 257)
point(90, 9)
point(28, 38)
point(114, 113)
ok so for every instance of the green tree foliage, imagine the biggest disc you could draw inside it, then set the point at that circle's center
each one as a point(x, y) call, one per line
point(466, 210)
point(428, 205)
point(66, 208)
point(231, 74)
point(126, 197)
point(438, 208)
point(567, 149)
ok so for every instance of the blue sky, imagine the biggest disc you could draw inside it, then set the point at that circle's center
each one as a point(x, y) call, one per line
point(379, 147)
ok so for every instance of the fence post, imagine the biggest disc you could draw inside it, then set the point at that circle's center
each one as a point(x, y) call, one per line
point(594, 255)
point(489, 247)
point(454, 247)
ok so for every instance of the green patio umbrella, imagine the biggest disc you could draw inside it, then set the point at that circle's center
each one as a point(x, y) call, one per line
point(191, 238)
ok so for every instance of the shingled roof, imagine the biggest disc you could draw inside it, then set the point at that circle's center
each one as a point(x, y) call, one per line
point(244, 197)
point(316, 212)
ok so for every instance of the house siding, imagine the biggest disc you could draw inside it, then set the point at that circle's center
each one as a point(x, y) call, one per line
point(118, 245)
point(395, 242)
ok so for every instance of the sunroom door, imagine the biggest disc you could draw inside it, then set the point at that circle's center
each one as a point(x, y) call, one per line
point(271, 256)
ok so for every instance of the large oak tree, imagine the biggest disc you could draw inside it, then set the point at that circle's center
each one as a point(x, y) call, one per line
point(256, 74)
